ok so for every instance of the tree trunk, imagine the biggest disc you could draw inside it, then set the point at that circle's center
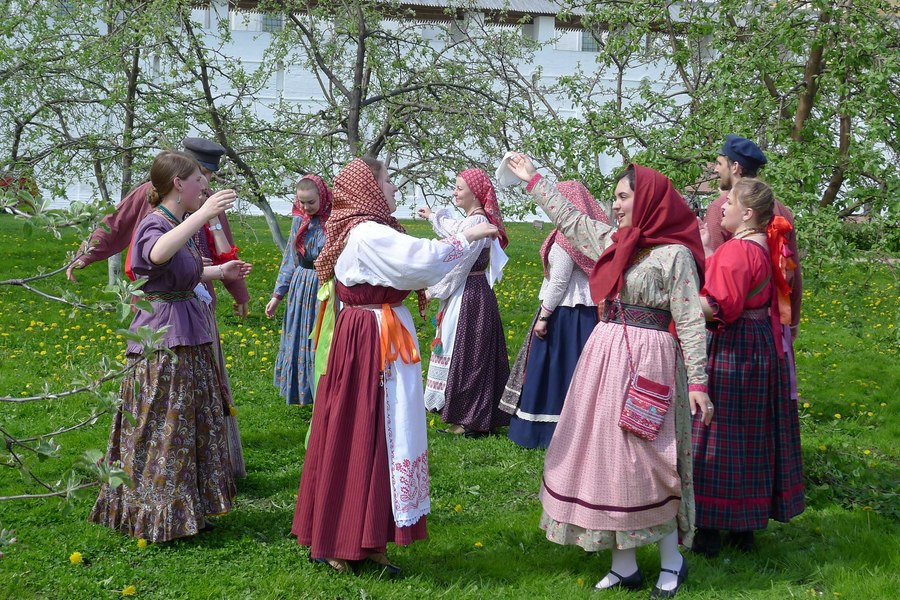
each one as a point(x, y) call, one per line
point(810, 80)
point(114, 268)
point(272, 222)
point(837, 176)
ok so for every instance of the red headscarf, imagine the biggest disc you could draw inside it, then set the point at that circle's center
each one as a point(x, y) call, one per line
point(580, 197)
point(481, 186)
point(660, 216)
point(357, 199)
point(323, 213)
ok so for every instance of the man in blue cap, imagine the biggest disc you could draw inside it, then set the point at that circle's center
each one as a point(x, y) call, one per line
point(117, 230)
point(740, 157)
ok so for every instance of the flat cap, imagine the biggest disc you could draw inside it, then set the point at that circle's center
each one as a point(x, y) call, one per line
point(206, 152)
point(743, 151)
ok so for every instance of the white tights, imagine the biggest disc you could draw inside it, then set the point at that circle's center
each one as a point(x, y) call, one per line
point(624, 562)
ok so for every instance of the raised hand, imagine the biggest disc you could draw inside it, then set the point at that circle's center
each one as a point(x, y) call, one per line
point(424, 212)
point(521, 166)
point(218, 203)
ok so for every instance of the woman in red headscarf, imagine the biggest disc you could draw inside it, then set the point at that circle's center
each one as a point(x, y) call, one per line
point(365, 476)
point(469, 365)
point(295, 365)
point(618, 472)
point(564, 321)
point(748, 465)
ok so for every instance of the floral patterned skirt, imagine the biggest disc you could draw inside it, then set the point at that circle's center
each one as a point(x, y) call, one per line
point(175, 452)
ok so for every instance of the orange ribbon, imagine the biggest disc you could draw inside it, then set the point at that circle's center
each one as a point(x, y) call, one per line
point(320, 316)
point(395, 340)
point(782, 264)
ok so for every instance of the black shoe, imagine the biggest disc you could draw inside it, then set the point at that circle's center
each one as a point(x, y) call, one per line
point(707, 542)
point(658, 592)
point(632, 582)
point(742, 540)
point(390, 569)
point(472, 434)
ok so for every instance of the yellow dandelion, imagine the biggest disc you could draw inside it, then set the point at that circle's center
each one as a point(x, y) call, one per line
point(479, 545)
point(431, 423)
point(580, 582)
point(142, 543)
point(837, 416)
point(867, 452)
point(458, 508)
point(129, 591)
point(76, 558)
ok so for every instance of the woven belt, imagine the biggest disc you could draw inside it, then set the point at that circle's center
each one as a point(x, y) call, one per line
point(170, 296)
point(637, 316)
point(756, 314)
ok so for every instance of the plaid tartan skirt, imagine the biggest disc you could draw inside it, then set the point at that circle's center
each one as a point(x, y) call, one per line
point(748, 465)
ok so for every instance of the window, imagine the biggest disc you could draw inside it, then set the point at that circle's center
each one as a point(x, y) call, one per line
point(589, 42)
point(272, 22)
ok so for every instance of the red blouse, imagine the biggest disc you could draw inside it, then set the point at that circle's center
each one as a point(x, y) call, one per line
point(735, 269)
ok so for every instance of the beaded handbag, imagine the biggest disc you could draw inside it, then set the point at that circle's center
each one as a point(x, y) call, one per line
point(646, 401)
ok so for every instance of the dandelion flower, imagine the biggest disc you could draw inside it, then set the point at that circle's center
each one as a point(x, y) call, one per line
point(837, 416)
point(75, 558)
point(129, 591)
point(458, 508)
point(479, 545)
point(142, 543)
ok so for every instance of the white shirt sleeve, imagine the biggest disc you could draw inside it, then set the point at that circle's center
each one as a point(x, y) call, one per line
point(458, 275)
point(445, 223)
point(378, 255)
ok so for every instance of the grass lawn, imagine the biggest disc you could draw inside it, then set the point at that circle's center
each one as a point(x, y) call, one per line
point(483, 536)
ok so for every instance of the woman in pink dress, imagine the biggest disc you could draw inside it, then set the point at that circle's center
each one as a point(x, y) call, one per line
point(605, 485)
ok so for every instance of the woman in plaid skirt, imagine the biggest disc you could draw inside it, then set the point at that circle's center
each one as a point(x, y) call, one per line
point(747, 463)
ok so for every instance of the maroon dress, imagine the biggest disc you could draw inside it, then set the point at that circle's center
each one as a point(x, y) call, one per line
point(344, 504)
point(479, 368)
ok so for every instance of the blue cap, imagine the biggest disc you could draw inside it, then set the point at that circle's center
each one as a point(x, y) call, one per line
point(743, 151)
point(206, 152)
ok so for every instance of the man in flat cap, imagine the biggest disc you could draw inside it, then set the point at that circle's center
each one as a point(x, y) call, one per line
point(740, 157)
point(214, 241)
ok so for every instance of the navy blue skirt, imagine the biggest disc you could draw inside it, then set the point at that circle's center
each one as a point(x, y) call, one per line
point(548, 372)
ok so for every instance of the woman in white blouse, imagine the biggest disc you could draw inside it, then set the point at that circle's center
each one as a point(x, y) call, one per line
point(365, 476)
point(567, 315)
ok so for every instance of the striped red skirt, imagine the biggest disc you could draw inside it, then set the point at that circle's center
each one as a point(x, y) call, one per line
point(344, 504)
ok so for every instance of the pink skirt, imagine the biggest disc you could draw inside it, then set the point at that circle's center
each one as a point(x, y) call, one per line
point(598, 476)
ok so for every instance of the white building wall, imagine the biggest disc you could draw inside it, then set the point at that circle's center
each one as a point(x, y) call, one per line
point(296, 85)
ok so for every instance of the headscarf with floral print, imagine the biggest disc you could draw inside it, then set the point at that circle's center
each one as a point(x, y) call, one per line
point(324, 212)
point(481, 186)
point(659, 216)
point(580, 197)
